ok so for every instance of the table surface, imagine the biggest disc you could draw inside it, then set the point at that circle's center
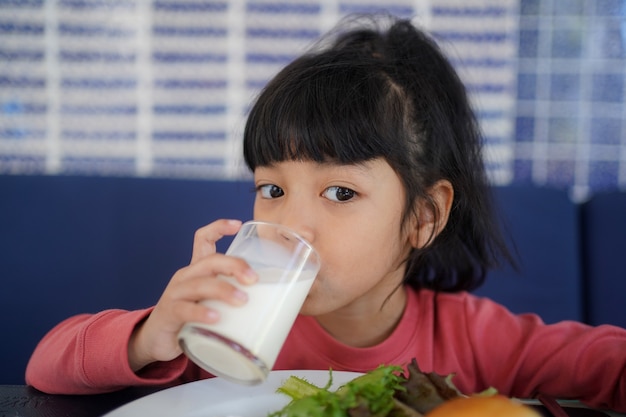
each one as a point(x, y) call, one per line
point(25, 401)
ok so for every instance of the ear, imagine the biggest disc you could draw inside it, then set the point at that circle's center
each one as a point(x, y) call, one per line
point(431, 214)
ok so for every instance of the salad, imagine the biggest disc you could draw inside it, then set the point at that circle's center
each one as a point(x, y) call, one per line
point(385, 391)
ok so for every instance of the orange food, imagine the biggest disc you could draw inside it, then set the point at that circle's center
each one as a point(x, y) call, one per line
point(477, 406)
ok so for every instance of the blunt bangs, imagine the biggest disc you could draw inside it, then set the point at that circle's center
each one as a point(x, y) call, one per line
point(325, 108)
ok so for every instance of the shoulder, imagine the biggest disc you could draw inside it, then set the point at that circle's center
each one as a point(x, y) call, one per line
point(467, 311)
point(455, 301)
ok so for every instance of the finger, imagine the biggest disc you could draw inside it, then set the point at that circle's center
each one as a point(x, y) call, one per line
point(205, 237)
point(216, 264)
point(201, 289)
point(183, 301)
point(199, 282)
point(186, 312)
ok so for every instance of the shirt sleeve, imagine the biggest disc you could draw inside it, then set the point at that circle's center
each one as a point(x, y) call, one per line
point(88, 354)
point(522, 356)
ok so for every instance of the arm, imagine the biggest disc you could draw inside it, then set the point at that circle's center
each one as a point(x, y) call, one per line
point(115, 349)
point(522, 356)
point(88, 354)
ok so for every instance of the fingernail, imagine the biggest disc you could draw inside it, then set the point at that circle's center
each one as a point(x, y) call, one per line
point(240, 295)
point(250, 276)
point(212, 315)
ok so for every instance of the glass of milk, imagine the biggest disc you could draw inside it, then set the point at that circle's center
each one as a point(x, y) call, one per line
point(243, 345)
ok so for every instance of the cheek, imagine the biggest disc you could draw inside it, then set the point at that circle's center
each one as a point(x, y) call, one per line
point(320, 299)
point(351, 268)
point(366, 252)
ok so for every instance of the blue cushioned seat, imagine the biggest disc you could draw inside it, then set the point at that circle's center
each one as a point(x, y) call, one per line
point(543, 226)
point(604, 233)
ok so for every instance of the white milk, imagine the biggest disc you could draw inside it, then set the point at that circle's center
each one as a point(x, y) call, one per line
point(260, 326)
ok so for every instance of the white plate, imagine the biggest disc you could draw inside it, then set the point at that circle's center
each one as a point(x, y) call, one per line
point(217, 397)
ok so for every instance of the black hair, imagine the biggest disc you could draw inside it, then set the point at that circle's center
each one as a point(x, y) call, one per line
point(365, 92)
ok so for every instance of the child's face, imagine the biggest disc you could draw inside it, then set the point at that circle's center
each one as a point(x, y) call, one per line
point(352, 214)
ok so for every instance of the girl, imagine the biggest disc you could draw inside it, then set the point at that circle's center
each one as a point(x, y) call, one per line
point(367, 146)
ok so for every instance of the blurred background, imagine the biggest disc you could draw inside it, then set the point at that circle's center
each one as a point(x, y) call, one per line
point(140, 88)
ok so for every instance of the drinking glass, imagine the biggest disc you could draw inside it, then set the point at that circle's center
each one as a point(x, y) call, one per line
point(243, 345)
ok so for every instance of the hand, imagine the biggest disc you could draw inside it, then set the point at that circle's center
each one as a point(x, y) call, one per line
point(156, 338)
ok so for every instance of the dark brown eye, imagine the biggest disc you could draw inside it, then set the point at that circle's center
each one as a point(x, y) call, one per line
point(271, 191)
point(339, 194)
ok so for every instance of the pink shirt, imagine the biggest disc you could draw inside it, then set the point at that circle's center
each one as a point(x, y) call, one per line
point(476, 339)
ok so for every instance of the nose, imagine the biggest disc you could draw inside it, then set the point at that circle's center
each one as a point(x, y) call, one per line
point(291, 238)
point(294, 212)
point(297, 215)
point(303, 230)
